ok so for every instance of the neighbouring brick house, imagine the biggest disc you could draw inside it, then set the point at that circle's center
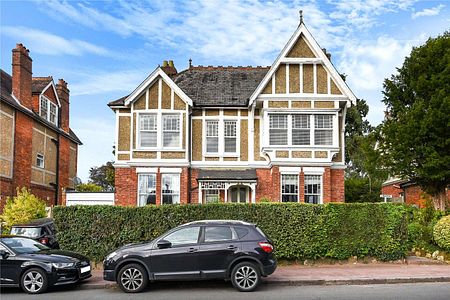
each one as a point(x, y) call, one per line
point(405, 191)
point(38, 149)
point(235, 134)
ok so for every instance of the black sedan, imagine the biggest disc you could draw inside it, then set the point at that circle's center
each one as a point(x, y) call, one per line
point(230, 250)
point(34, 267)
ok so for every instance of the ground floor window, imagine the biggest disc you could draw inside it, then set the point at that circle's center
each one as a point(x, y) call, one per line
point(313, 186)
point(212, 196)
point(238, 194)
point(170, 188)
point(289, 188)
point(147, 189)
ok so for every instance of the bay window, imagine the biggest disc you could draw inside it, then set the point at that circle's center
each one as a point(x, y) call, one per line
point(296, 130)
point(170, 188)
point(147, 189)
point(171, 130)
point(289, 188)
point(148, 134)
point(212, 136)
point(313, 189)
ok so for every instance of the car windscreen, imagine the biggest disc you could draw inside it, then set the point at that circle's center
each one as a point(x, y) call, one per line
point(23, 245)
point(31, 232)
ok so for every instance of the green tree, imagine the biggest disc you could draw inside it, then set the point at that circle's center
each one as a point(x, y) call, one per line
point(416, 135)
point(88, 187)
point(22, 208)
point(103, 176)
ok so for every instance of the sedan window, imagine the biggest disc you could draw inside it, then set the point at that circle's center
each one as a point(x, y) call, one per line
point(183, 236)
point(23, 245)
point(31, 232)
point(218, 233)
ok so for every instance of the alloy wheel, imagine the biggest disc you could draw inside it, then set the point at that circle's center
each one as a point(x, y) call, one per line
point(246, 277)
point(132, 279)
point(33, 281)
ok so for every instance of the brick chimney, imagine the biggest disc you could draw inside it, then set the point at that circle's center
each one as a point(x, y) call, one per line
point(169, 68)
point(63, 94)
point(22, 75)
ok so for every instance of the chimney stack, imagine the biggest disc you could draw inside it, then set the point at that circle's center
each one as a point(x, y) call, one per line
point(63, 95)
point(169, 68)
point(22, 75)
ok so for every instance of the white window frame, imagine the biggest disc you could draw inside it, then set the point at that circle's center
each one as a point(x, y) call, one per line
point(48, 106)
point(180, 120)
point(208, 122)
point(320, 194)
point(140, 177)
point(141, 115)
point(163, 175)
point(311, 115)
point(281, 186)
point(212, 193)
point(40, 157)
point(221, 137)
point(324, 129)
point(230, 136)
point(159, 130)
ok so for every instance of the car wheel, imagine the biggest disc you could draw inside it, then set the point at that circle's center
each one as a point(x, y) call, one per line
point(245, 277)
point(34, 281)
point(132, 278)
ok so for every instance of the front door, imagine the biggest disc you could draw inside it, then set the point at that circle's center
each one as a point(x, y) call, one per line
point(180, 261)
point(238, 194)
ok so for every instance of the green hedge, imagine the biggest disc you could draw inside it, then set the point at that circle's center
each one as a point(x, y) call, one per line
point(299, 231)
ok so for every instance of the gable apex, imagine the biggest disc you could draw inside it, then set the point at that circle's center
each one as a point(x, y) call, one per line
point(301, 45)
point(158, 72)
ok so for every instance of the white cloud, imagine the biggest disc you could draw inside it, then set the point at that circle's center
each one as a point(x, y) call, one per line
point(46, 43)
point(427, 12)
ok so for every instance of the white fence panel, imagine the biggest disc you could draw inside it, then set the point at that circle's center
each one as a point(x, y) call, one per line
point(81, 198)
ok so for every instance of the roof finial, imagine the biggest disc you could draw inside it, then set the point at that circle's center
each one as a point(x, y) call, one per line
point(301, 16)
point(190, 63)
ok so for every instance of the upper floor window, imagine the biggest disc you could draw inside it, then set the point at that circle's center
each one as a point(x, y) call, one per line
point(171, 130)
point(212, 136)
point(148, 130)
point(40, 160)
point(323, 133)
point(230, 136)
point(296, 130)
point(48, 110)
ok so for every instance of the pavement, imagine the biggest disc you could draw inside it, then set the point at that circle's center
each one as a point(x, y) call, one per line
point(413, 270)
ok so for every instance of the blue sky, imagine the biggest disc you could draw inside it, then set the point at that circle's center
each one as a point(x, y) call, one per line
point(104, 49)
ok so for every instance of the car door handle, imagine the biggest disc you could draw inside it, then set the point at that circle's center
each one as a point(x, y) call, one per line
point(231, 247)
point(192, 250)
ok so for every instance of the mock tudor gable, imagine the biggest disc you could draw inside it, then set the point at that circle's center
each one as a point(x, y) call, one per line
point(235, 134)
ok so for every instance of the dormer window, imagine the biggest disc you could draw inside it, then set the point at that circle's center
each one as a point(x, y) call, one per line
point(48, 110)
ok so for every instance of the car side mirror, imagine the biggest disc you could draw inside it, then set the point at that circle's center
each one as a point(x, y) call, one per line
point(163, 244)
point(4, 254)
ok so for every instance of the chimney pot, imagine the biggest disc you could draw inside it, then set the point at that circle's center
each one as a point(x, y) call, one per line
point(171, 64)
point(164, 64)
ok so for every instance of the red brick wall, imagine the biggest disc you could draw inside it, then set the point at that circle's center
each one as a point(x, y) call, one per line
point(194, 186)
point(326, 181)
point(22, 75)
point(22, 150)
point(337, 185)
point(268, 184)
point(126, 186)
point(392, 189)
point(44, 193)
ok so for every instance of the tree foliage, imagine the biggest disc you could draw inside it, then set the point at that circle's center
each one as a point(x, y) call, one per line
point(22, 208)
point(416, 135)
point(88, 187)
point(103, 176)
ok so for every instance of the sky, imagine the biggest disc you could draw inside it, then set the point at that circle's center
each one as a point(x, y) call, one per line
point(104, 49)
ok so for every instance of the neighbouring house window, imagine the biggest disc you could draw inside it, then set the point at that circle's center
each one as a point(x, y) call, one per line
point(212, 196)
point(313, 189)
point(230, 136)
point(212, 136)
point(289, 188)
point(278, 130)
point(148, 134)
point(147, 189)
point(238, 194)
point(323, 129)
point(40, 160)
point(53, 113)
point(300, 130)
point(170, 188)
point(171, 130)
point(43, 108)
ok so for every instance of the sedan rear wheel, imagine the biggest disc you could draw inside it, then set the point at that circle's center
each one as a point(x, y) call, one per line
point(34, 281)
point(245, 277)
point(132, 278)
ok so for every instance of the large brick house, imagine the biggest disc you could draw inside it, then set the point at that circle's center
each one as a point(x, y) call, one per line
point(235, 134)
point(38, 149)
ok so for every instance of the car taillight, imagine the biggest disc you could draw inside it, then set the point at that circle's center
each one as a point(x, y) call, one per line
point(266, 247)
point(43, 241)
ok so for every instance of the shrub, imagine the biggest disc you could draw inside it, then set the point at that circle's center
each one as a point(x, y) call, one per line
point(441, 233)
point(299, 231)
point(88, 187)
point(22, 208)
